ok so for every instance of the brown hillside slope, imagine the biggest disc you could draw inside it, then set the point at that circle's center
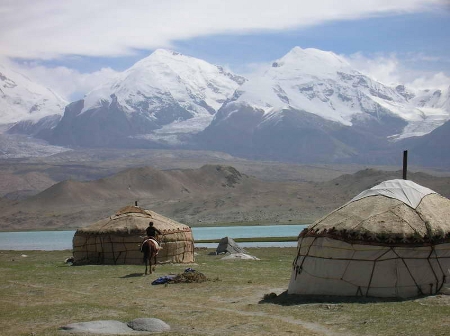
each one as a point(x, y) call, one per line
point(210, 194)
point(349, 185)
point(143, 183)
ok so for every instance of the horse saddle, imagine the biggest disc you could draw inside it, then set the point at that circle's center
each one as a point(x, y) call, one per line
point(157, 246)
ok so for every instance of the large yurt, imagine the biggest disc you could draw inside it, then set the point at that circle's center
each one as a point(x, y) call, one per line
point(392, 240)
point(117, 239)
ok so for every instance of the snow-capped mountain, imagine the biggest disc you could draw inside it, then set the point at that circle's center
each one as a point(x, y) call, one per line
point(433, 106)
point(308, 106)
point(324, 84)
point(158, 99)
point(311, 105)
point(24, 99)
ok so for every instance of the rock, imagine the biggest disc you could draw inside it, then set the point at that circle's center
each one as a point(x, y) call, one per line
point(139, 326)
point(241, 256)
point(105, 327)
point(227, 244)
point(148, 324)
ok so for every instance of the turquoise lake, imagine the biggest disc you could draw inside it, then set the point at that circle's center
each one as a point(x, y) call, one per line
point(62, 240)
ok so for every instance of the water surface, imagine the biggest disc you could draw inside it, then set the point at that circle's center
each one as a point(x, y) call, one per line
point(62, 240)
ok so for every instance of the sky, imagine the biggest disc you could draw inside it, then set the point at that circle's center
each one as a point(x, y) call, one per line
point(72, 46)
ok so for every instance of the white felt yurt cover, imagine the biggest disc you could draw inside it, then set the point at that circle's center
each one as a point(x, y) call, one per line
point(406, 191)
point(392, 240)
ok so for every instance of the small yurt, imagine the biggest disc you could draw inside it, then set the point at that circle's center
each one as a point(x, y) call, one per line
point(392, 240)
point(117, 239)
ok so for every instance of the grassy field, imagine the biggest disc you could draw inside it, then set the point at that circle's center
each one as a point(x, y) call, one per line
point(40, 293)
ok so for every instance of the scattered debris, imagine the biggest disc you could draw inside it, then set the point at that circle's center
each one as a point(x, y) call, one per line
point(162, 280)
point(69, 260)
point(190, 275)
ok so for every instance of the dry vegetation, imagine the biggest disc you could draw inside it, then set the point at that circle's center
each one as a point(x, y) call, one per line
point(39, 294)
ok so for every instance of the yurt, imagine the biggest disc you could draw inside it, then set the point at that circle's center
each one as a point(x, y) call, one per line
point(392, 240)
point(117, 239)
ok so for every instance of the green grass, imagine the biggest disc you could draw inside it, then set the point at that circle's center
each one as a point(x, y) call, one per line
point(39, 294)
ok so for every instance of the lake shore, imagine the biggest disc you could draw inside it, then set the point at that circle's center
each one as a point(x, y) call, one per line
point(40, 294)
point(269, 235)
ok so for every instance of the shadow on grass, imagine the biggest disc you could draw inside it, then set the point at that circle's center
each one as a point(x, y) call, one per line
point(132, 275)
point(285, 299)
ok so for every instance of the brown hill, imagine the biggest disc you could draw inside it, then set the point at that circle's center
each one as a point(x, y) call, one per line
point(210, 194)
point(349, 185)
point(141, 184)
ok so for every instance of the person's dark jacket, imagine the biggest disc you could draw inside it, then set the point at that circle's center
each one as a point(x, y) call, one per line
point(152, 231)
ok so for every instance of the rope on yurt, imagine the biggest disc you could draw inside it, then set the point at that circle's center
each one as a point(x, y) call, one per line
point(442, 271)
point(373, 270)
point(101, 253)
point(432, 269)
point(294, 263)
point(125, 247)
point(112, 249)
point(348, 264)
point(299, 268)
point(86, 244)
point(359, 291)
point(350, 283)
point(409, 271)
point(184, 245)
point(115, 260)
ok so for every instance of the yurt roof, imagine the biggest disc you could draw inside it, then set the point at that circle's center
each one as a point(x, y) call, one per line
point(395, 212)
point(133, 219)
point(406, 191)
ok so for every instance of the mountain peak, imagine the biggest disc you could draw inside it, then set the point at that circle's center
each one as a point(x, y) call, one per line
point(165, 52)
point(312, 61)
point(190, 83)
point(24, 99)
point(161, 55)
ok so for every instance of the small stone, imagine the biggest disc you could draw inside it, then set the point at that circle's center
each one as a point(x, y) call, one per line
point(148, 324)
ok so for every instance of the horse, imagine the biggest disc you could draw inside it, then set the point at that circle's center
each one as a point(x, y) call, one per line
point(150, 250)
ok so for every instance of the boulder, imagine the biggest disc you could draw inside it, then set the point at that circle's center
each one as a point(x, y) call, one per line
point(148, 324)
point(227, 244)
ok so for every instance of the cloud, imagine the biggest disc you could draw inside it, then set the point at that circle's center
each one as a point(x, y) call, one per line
point(393, 69)
point(68, 83)
point(384, 68)
point(52, 28)
point(431, 81)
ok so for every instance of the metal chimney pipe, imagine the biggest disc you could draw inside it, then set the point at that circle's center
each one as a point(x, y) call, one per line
point(405, 164)
point(135, 203)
